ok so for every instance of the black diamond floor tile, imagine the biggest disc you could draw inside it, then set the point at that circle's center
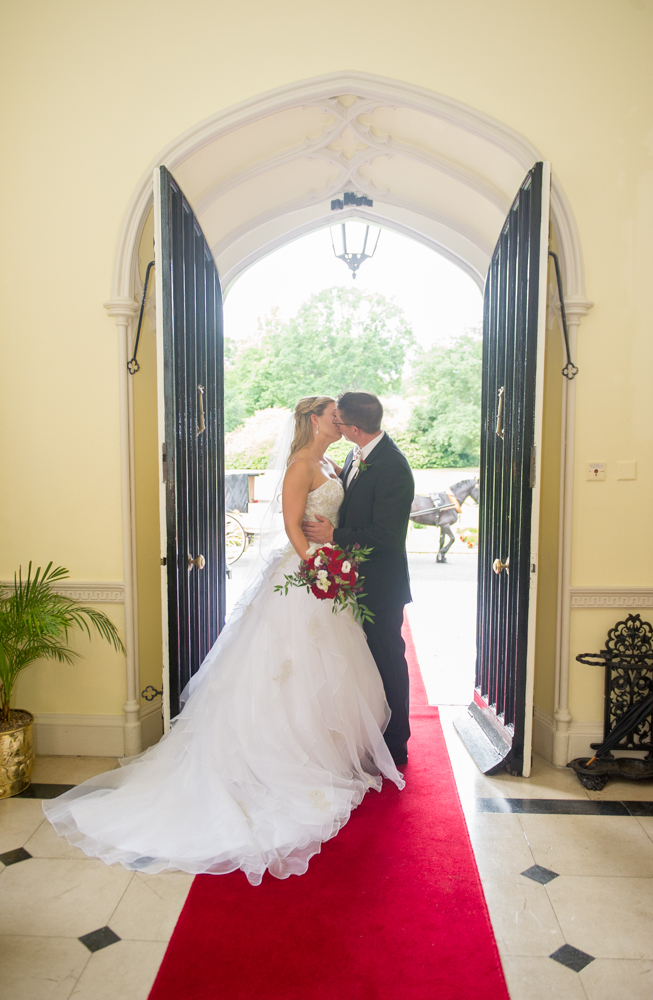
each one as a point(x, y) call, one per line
point(573, 958)
point(101, 938)
point(44, 791)
point(540, 874)
point(13, 857)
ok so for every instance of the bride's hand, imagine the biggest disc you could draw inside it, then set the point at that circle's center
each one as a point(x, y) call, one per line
point(319, 531)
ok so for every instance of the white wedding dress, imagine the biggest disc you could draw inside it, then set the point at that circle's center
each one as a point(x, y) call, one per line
point(280, 738)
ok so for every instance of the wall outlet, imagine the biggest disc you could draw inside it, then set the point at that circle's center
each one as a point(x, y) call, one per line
point(626, 470)
point(595, 470)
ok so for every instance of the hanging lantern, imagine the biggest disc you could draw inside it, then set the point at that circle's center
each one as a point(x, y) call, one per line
point(354, 242)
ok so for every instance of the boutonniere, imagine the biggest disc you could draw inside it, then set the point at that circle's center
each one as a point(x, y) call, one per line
point(360, 465)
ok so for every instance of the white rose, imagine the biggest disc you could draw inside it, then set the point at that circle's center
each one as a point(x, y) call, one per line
point(322, 574)
point(327, 545)
point(311, 550)
point(323, 585)
point(346, 566)
point(318, 562)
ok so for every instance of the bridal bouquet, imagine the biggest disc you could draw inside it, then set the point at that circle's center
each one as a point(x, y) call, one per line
point(331, 573)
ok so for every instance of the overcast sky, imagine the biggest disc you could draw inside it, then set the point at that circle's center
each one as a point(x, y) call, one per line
point(439, 299)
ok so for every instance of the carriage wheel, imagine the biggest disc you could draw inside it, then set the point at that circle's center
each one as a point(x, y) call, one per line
point(235, 538)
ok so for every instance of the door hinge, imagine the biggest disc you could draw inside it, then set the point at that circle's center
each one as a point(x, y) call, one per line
point(533, 472)
point(164, 463)
point(164, 561)
point(533, 568)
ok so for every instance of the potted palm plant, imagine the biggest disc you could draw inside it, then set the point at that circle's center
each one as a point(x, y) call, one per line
point(35, 623)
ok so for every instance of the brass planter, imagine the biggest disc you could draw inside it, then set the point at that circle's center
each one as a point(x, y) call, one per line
point(16, 756)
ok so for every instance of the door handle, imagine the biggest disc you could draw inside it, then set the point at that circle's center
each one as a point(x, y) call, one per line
point(499, 566)
point(201, 425)
point(500, 414)
point(198, 561)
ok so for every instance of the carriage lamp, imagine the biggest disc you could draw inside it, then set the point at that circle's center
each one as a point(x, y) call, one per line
point(354, 242)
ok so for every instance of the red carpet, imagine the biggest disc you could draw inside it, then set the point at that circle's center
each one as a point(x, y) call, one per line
point(391, 909)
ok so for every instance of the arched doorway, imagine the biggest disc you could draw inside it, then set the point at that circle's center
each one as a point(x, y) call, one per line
point(265, 172)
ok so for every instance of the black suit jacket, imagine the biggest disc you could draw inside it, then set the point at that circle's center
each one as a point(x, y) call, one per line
point(375, 512)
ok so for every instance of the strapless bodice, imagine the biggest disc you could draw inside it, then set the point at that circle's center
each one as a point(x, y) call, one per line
point(326, 501)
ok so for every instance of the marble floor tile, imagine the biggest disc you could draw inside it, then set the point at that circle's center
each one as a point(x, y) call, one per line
point(123, 971)
point(151, 905)
point(57, 770)
point(625, 790)
point(585, 845)
point(545, 782)
point(646, 823)
point(37, 968)
point(522, 916)
point(606, 917)
point(55, 897)
point(499, 843)
point(611, 978)
point(19, 818)
point(541, 979)
point(45, 843)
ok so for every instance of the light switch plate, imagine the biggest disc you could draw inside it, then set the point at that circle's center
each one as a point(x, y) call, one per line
point(626, 470)
point(595, 470)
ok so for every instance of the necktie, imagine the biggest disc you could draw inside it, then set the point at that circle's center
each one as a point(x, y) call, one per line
point(358, 454)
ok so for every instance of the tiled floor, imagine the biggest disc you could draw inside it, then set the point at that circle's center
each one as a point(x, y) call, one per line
point(574, 886)
point(559, 884)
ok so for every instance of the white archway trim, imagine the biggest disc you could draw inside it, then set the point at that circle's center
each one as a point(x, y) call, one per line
point(230, 275)
point(448, 222)
point(393, 93)
point(376, 89)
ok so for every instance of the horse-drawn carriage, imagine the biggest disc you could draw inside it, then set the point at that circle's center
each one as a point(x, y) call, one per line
point(239, 527)
point(441, 510)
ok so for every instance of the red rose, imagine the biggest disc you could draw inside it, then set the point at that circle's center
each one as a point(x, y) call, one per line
point(321, 594)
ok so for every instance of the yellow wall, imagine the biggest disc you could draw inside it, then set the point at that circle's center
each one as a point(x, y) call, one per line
point(93, 91)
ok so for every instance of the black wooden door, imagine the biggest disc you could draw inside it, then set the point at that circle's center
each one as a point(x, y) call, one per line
point(191, 405)
point(513, 345)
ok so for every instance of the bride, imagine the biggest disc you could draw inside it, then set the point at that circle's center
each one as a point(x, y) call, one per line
point(281, 733)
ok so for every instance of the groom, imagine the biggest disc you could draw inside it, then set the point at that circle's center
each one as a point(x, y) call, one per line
point(379, 490)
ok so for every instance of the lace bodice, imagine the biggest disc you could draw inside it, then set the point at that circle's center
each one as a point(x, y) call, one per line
point(326, 501)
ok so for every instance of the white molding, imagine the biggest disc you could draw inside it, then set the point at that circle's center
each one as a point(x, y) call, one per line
point(386, 92)
point(72, 735)
point(79, 735)
point(611, 597)
point(371, 89)
point(577, 738)
point(229, 276)
point(90, 591)
point(151, 722)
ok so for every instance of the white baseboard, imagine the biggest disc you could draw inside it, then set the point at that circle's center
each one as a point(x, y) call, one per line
point(151, 723)
point(581, 734)
point(543, 728)
point(79, 735)
point(93, 735)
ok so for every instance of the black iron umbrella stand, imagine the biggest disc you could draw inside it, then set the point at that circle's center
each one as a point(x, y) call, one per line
point(628, 718)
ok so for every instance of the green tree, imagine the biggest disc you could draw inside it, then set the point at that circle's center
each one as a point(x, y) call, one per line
point(446, 426)
point(340, 339)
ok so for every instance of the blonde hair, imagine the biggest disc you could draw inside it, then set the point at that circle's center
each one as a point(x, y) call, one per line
point(303, 425)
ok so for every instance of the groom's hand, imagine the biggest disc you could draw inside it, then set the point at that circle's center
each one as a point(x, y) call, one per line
point(319, 531)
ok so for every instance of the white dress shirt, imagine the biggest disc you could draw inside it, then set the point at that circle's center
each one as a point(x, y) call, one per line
point(361, 454)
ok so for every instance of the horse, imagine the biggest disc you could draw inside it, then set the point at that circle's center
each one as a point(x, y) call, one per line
point(441, 510)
